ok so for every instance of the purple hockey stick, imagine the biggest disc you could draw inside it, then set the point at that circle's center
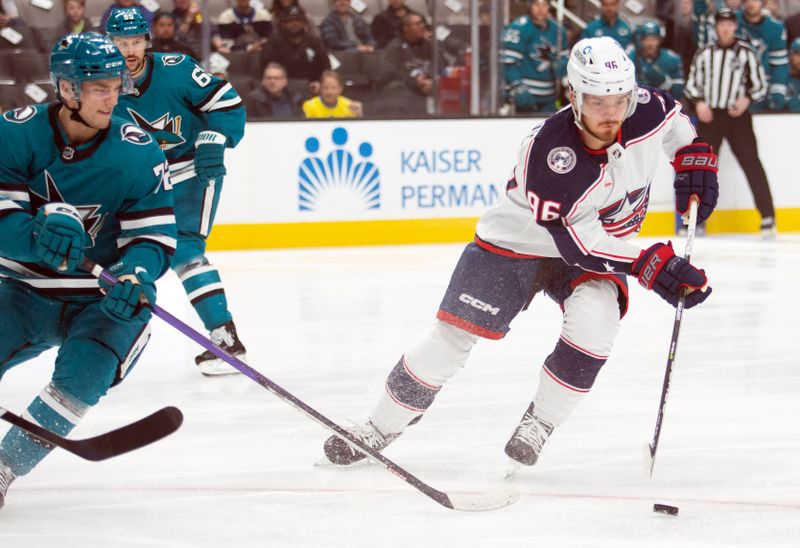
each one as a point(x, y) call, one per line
point(455, 501)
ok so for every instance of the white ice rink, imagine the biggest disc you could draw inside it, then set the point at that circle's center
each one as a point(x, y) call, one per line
point(328, 325)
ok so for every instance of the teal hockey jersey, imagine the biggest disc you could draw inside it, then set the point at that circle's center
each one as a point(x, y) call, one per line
point(118, 181)
point(533, 56)
point(793, 104)
point(174, 100)
point(619, 31)
point(665, 72)
point(768, 37)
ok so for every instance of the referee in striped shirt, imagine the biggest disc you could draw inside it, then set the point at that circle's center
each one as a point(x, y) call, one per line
point(725, 77)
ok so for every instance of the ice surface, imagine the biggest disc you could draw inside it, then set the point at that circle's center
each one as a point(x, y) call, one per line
point(328, 325)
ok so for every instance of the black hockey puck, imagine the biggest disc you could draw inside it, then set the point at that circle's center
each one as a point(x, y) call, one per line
point(665, 509)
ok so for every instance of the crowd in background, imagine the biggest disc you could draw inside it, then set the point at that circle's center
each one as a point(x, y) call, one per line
point(348, 65)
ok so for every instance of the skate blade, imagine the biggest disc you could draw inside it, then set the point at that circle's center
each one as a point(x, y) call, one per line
point(324, 462)
point(218, 368)
point(513, 468)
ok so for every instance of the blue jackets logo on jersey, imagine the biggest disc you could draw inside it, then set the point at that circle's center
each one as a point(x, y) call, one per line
point(339, 182)
point(562, 160)
point(165, 130)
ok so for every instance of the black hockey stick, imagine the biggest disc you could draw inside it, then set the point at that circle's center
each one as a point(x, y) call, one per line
point(132, 436)
point(454, 501)
point(650, 450)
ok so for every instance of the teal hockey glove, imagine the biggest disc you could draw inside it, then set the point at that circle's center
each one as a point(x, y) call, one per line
point(128, 299)
point(59, 236)
point(210, 156)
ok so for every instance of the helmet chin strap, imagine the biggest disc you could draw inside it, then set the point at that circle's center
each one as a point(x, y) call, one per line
point(75, 115)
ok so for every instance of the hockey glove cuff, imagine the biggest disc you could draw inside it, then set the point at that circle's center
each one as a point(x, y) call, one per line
point(520, 95)
point(659, 269)
point(210, 156)
point(129, 299)
point(59, 236)
point(696, 175)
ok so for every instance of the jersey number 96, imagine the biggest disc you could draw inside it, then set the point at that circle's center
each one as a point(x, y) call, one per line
point(543, 210)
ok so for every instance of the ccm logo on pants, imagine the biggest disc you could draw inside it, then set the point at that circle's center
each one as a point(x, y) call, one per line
point(480, 305)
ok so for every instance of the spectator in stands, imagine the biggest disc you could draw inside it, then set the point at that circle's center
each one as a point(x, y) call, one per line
point(330, 103)
point(189, 18)
point(244, 28)
point(406, 78)
point(794, 76)
point(273, 99)
point(345, 30)
point(280, 6)
point(9, 15)
point(164, 36)
point(386, 26)
point(659, 67)
point(792, 27)
point(609, 23)
point(125, 4)
point(768, 36)
point(294, 47)
point(75, 20)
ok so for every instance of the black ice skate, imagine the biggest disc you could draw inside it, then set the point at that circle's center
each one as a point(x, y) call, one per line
point(226, 338)
point(768, 230)
point(527, 440)
point(6, 477)
point(339, 452)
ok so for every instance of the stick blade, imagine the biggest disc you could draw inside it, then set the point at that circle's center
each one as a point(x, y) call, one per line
point(132, 436)
point(483, 502)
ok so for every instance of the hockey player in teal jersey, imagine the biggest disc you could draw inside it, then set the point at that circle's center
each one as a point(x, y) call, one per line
point(194, 116)
point(76, 181)
point(768, 37)
point(793, 104)
point(609, 23)
point(534, 55)
point(657, 66)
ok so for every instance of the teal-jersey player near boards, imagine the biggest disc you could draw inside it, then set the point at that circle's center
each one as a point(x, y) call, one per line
point(77, 182)
point(194, 116)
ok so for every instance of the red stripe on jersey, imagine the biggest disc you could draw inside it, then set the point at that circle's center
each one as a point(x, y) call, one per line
point(483, 244)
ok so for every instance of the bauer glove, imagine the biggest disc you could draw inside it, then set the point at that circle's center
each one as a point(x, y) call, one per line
point(659, 269)
point(59, 236)
point(696, 175)
point(130, 299)
point(210, 156)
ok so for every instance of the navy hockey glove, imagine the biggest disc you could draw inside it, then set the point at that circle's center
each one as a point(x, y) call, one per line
point(520, 95)
point(210, 156)
point(128, 299)
point(59, 236)
point(696, 175)
point(659, 269)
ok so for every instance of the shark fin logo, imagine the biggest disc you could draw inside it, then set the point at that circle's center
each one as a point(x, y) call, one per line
point(338, 182)
point(165, 130)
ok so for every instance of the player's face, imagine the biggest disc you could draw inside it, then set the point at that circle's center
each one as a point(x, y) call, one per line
point(650, 45)
point(539, 12)
point(133, 49)
point(98, 99)
point(602, 116)
point(330, 90)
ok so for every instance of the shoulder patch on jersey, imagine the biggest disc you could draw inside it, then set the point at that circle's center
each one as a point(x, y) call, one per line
point(135, 134)
point(20, 115)
point(643, 96)
point(561, 160)
point(172, 60)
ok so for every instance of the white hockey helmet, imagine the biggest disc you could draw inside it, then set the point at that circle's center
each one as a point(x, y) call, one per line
point(599, 66)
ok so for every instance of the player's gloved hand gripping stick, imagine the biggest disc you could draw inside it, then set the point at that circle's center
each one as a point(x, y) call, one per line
point(455, 501)
point(650, 450)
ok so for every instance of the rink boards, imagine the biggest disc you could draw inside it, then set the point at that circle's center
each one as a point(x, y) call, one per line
point(329, 183)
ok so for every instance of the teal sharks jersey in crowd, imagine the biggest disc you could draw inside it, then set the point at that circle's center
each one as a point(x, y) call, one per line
point(174, 101)
point(118, 181)
point(533, 56)
point(768, 37)
point(665, 72)
point(793, 104)
point(619, 31)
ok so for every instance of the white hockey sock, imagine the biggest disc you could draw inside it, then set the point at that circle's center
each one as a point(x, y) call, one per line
point(555, 400)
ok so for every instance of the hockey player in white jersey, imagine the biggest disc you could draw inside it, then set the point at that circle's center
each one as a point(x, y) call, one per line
point(579, 191)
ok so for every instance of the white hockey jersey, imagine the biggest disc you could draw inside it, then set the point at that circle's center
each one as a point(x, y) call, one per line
point(565, 200)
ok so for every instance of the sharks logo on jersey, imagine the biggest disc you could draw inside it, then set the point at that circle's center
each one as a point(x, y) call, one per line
point(165, 130)
point(135, 134)
point(20, 115)
point(92, 221)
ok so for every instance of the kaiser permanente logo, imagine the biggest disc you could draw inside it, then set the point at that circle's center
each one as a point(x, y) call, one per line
point(338, 181)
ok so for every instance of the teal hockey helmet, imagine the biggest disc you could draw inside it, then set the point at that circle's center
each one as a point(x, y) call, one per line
point(649, 28)
point(127, 22)
point(77, 58)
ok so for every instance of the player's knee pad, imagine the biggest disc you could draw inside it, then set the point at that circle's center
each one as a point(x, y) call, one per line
point(440, 354)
